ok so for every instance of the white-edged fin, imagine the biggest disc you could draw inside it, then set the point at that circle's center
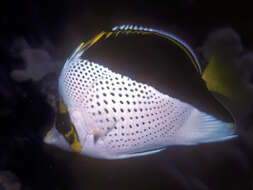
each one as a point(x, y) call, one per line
point(180, 43)
point(204, 128)
point(77, 53)
point(136, 154)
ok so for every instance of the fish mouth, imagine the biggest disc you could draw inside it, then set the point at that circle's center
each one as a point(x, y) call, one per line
point(47, 136)
point(53, 137)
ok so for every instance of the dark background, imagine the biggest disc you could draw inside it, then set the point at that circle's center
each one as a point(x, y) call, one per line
point(56, 27)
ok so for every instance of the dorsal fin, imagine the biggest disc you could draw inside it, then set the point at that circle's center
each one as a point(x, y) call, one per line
point(132, 29)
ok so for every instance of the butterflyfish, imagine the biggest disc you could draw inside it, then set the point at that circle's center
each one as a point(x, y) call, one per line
point(109, 115)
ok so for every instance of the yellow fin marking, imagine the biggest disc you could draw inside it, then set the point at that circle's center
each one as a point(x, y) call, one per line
point(96, 38)
point(82, 45)
point(48, 135)
point(231, 125)
point(62, 108)
point(68, 134)
point(108, 35)
point(117, 33)
point(91, 42)
point(220, 78)
point(76, 146)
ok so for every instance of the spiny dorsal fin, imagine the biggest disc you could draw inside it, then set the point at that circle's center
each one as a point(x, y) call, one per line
point(133, 29)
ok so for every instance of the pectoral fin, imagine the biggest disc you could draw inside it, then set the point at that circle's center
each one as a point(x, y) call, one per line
point(99, 134)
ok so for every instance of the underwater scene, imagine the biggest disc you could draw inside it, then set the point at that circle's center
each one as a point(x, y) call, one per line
point(126, 95)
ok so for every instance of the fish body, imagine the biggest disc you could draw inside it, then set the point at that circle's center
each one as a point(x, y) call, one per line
point(116, 117)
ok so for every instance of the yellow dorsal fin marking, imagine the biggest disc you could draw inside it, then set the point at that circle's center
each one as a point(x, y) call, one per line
point(92, 41)
point(117, 33)
point(108, 35)
point(62, 108)
point(76, 146)
point(96, 38)
point(82, 45)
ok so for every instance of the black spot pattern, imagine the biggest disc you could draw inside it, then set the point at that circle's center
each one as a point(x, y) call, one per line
point(79, 78)
point(134, 116)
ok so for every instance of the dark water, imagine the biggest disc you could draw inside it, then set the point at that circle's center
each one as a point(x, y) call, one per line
point(37, 37)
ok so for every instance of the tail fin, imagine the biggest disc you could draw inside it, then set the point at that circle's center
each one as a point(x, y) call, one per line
point(204, 128)
point(222, 78)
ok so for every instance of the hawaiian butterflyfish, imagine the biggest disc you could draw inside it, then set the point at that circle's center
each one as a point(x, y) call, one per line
point(106, 114)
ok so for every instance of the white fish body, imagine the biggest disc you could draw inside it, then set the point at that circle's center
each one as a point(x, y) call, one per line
point(116, 117)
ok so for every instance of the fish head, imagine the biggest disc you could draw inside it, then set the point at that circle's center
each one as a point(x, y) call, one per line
point(54, 137)
point(65, 134)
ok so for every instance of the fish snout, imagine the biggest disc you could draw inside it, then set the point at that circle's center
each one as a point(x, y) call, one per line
point(53, 137)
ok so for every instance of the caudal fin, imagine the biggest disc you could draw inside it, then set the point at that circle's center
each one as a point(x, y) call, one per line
point(204, 128)
point(224, 78)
